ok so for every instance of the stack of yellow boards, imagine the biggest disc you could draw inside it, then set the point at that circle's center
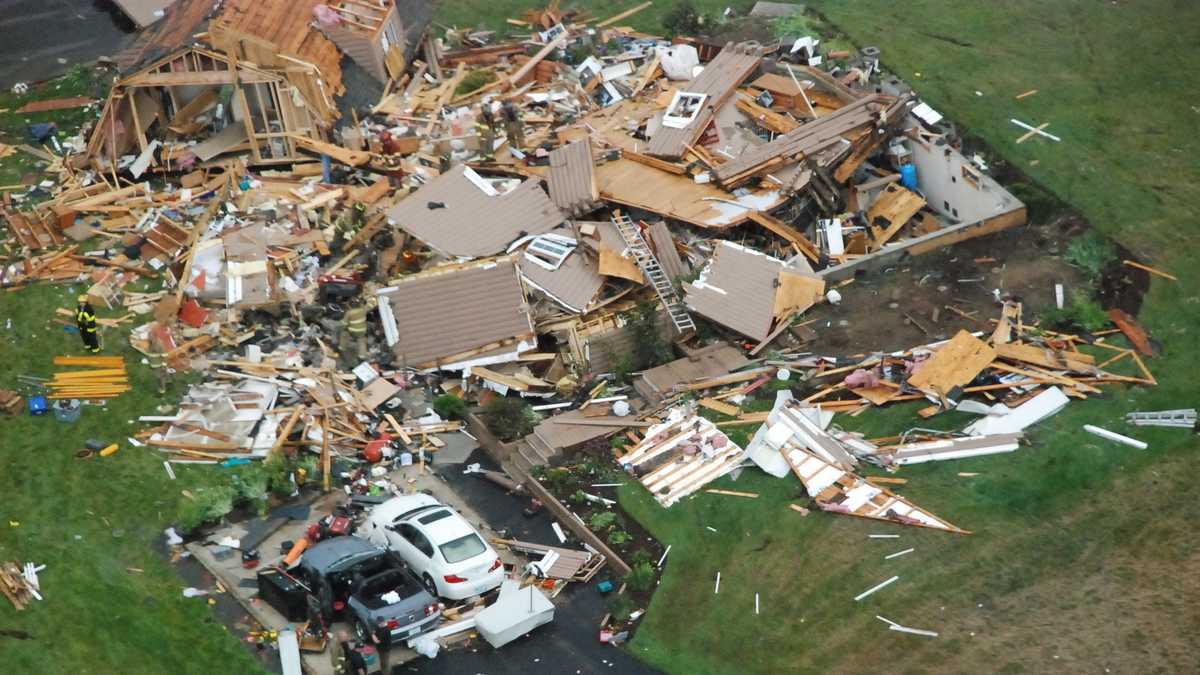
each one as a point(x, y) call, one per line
point(106, 379)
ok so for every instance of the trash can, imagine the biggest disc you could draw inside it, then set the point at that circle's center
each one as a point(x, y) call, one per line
point(67, 410)
point(908, 176)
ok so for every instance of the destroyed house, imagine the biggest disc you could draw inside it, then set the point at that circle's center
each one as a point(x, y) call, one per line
point(456, 316)
point(242, 75)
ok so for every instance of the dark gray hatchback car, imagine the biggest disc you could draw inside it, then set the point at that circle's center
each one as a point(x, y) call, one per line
point(370, 587)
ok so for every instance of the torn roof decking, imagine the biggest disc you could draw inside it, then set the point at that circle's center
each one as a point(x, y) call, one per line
point(572, 178)
point(467, 221)
point(737, 289)
point(463, 313)
point(719, 79)
point(808, 139)
point(278, 26)
point(703, 205)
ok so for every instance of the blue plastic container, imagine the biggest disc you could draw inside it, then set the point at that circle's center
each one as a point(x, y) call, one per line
point(38, 405)
point(908, 176)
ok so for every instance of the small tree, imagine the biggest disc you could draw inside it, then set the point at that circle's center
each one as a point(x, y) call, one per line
point(649, 348)
point(509, 418)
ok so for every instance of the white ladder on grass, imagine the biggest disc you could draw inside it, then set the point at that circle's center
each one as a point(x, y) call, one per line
point(632, 235)
point(1185, 418)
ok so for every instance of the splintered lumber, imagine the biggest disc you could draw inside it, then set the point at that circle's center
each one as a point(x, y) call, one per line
point(1151, 270)
point(1045, 357)
point(789, 233)
point(804, 141)
point(1132, 330)
point(733, 493)
point(765, 117)
point(954, 364)
point(723, 380)
point(524, 70)
point(719, 406)
point(337, 152)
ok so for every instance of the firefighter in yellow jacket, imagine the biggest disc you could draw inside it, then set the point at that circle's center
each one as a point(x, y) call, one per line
point(85, 320)
point(354, 334)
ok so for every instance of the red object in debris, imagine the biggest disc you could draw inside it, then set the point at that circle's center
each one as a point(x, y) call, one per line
point(339, 526)
point(373, 453)
point(192, 313)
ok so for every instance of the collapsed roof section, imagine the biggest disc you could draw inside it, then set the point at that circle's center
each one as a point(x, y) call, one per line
point(748, 291)
point(697, 102)
point(457, 316)
point(462, 214)
point(682, 455)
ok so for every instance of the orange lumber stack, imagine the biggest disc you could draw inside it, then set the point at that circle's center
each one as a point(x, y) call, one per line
point(106, 379)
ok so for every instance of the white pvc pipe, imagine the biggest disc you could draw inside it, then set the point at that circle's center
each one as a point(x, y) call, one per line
point(871, 590)
point(1105, 433)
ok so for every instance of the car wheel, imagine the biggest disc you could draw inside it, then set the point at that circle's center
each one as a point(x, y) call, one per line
point(429, 585)
point(361, 632)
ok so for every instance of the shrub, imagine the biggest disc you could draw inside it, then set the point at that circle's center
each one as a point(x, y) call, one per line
point(450, 407)
point(639, 556)
point(1091, 253)
point(602, 521)
point(252, 485)
point(578, 497)
point(640, 577)
point(278, 474)
point(510, 418)
point(1082, 312)
point(207, 505)
point(618, 537)
point(619, 442)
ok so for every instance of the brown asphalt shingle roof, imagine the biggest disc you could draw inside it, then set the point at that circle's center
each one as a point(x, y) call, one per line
point(468, 222)
point(574, 284)
point(440, 315)
point(737, 290)
point(573, 179)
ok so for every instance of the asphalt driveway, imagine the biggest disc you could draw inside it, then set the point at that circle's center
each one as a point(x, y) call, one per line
point(41, 39)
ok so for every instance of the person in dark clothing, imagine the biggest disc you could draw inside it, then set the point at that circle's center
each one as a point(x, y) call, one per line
point(85, 320)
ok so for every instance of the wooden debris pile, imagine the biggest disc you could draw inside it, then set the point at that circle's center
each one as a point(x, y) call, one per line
point(19, 584)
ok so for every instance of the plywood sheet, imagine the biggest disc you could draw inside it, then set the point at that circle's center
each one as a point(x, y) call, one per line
point(954, 364)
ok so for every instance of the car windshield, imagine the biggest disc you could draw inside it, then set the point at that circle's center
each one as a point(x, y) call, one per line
point(462, 548)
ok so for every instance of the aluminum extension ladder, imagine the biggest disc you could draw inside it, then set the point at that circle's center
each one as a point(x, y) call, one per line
point(632, 235)
point(1184, 418)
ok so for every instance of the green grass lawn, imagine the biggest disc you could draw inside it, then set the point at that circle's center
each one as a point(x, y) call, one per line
point(91, 521)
